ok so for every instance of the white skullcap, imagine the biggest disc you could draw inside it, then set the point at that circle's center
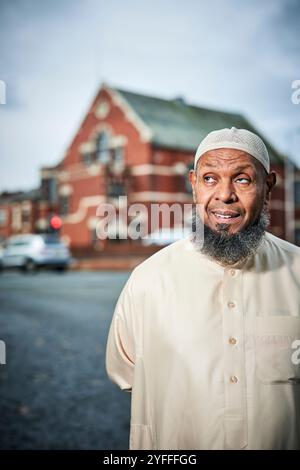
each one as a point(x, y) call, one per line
point(233, 138)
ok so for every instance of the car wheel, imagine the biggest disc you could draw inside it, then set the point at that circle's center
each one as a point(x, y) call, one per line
point(61, 269)
point(29, 266)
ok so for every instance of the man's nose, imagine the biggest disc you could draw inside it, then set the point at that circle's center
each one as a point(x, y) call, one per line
point(226, 193)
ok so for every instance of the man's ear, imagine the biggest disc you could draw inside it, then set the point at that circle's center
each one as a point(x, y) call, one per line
point(270, 183)
point(193, 178)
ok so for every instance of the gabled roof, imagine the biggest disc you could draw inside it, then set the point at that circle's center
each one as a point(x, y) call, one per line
point(177, 125)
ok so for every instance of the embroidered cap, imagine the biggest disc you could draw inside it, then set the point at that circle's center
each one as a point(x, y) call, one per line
point(240, 139)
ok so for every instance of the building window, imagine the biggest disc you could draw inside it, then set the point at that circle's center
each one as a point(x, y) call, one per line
point(52, 190)
point(25, 216)
point(49, 190)
point(297, 193)
point(3, 217)
point(64, 205)
point(102, 148)
point(116, 188)
point(87, 158)
point(119, 155)
point(16, 218)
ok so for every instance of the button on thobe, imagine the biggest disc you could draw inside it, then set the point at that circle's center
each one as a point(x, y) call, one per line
point(235, 416)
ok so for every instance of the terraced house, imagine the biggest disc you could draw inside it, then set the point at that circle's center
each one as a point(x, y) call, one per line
point(141, 147)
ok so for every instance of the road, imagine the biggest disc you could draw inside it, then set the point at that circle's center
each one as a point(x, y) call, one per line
point(54, 392)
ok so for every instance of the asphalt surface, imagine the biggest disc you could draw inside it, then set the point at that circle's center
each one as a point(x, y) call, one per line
point(54, 391)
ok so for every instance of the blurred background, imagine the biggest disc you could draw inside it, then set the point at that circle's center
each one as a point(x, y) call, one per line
point(106, 102)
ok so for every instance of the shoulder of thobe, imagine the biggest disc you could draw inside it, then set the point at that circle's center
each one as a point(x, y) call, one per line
point(122, 329)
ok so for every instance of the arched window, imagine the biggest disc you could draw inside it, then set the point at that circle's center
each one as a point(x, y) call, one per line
point(102, 148)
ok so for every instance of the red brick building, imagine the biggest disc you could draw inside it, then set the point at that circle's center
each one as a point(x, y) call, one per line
point(136, 146)
point(23, 212)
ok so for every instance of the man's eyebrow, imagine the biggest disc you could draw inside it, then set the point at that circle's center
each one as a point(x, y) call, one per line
point(240, 169)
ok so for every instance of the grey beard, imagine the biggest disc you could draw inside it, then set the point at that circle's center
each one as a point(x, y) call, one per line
point(225, 248)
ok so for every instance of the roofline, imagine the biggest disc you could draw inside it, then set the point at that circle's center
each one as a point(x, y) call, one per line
point(118, 91)
point(185, 103)
point(117, 97)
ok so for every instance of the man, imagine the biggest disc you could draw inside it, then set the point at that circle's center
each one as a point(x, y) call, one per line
point(205, 331)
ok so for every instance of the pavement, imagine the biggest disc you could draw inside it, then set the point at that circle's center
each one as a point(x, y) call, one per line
point(54, 391)
point(125, 263)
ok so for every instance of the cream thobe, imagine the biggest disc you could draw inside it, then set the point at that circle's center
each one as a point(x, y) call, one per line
point(210, 353)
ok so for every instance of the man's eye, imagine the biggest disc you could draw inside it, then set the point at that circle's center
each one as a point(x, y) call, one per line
point(209, 179)
point(243, 180)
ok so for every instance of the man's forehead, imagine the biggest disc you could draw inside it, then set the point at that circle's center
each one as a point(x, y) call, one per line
point(228, 158)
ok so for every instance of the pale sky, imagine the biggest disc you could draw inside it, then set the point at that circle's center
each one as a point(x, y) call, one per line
point(54, 55)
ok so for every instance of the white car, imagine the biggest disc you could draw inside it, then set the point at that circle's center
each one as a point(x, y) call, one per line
point(29, 252)
point(165, 236)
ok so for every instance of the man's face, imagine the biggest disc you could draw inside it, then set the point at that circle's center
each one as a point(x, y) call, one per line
point(233, 188)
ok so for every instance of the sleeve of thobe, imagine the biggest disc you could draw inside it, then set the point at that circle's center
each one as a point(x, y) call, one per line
point(120, 350)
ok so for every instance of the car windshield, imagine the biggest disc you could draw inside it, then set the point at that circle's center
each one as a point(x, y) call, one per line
point(19, 242)
point(52, 240)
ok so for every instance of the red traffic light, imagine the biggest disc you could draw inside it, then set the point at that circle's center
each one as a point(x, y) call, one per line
point(55, 222)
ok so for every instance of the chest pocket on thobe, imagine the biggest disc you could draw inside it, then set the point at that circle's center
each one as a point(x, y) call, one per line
point(277, 349)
